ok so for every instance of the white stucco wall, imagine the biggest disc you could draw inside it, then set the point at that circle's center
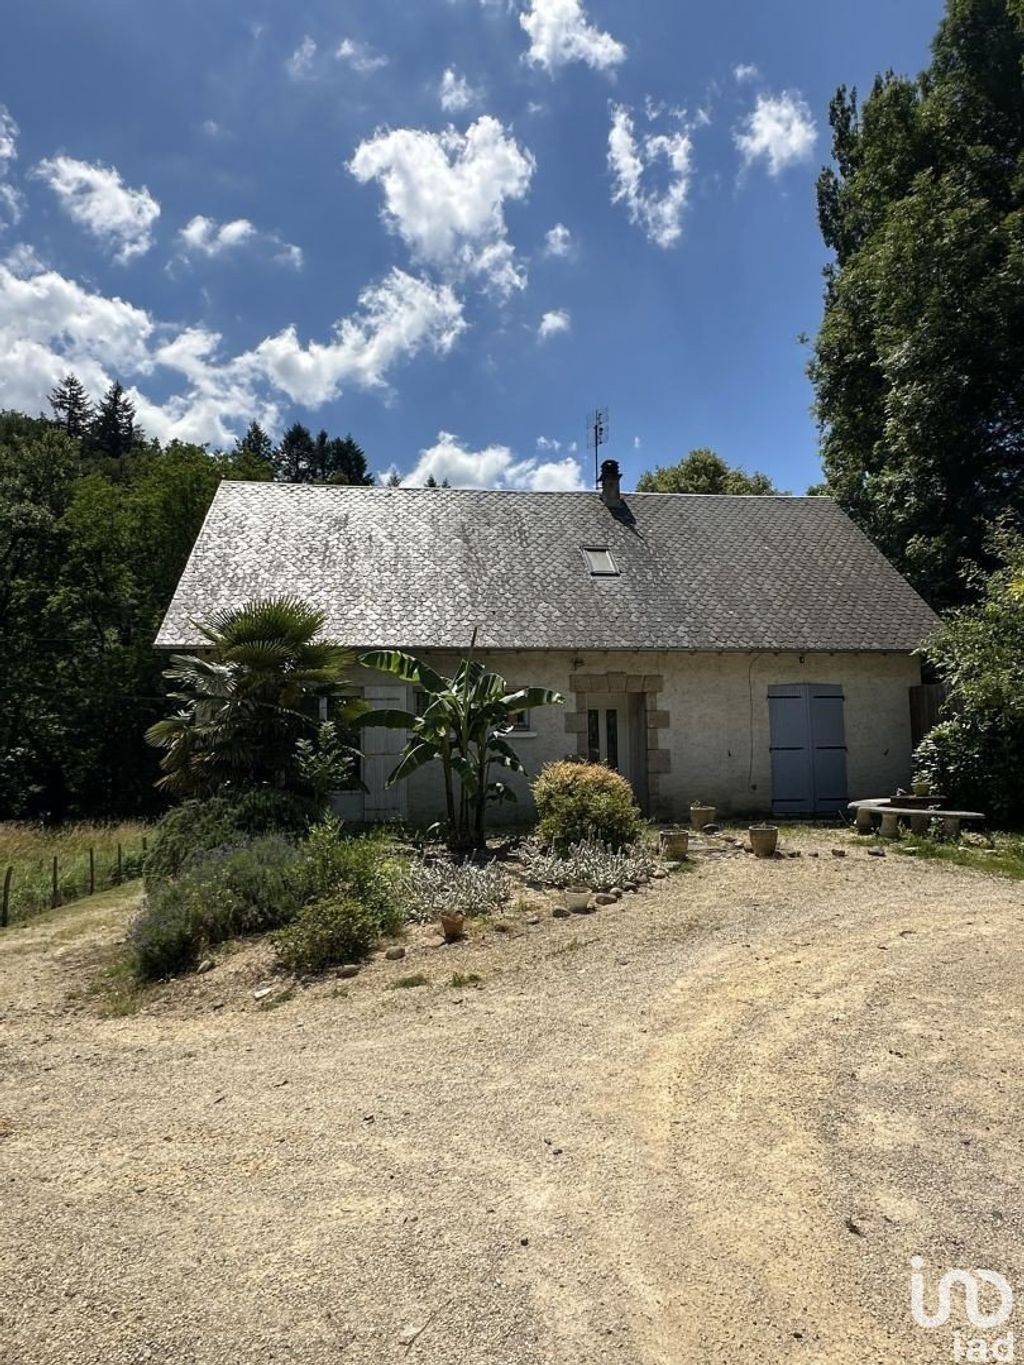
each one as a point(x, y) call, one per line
point(716, 731)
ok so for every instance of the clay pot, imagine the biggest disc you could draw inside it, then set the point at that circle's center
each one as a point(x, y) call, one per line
point(675, 844)
point(577, 898)
point(453, 927)
point(701, 816)
point(764, 840)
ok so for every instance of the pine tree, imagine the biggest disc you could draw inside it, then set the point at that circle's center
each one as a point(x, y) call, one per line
point(393, 480)
point(72, 410)
point(253, 455)
point(295, 455)
point(113, 431)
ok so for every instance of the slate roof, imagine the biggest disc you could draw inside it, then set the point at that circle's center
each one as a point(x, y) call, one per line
point(418, 568)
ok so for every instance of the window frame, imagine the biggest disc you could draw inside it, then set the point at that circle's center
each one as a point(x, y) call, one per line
point(587, 550)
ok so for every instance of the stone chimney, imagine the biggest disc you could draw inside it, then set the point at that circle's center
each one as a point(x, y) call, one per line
point(611, 477)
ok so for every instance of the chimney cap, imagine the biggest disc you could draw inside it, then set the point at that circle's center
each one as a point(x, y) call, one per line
point(611, 495)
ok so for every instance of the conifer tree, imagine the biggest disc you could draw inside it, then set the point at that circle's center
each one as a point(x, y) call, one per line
point(72, 410)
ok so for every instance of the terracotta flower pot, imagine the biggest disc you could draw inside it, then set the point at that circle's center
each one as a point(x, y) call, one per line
point(453, 927)
point(675, 844)
point(577, 898)
point(701, 815)
point(764, 840)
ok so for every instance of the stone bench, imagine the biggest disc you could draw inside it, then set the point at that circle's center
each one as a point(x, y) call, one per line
point(890, 816)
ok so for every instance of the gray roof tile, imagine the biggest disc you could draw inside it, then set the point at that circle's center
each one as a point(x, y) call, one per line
point(420, 568)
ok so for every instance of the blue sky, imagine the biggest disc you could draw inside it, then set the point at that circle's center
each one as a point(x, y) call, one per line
point(292, 212)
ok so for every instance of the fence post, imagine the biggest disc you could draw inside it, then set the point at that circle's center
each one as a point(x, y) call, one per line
point(92, 871)
point(55, 886)
point(5, 904)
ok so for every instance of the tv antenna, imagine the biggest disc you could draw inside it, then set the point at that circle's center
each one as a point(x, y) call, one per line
point(597, 435)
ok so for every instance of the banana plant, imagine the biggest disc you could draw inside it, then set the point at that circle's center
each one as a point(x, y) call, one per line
point(463, 726)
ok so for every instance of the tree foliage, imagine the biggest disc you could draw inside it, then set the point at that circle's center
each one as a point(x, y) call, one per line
point(702, 471)
point(464, 726)
point(301, 457)
point(249, 705)
point(975, 755)
point(918, 360)
point(96, 525)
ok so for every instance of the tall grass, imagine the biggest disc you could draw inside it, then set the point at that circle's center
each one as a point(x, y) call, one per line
point(30, 850)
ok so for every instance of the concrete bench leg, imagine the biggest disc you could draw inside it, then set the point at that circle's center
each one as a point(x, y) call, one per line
point(951, 827)
point(865, 824)
point(890, 825)
point(919, 824)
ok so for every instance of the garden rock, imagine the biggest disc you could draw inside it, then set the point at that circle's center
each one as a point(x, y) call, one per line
point(533, 919)
point(630, 886)
point(605, 898)
point(348, 971)
point(660, 874)
point(876, 852)
point(205, 966)
point(560, 912)
point(395, 954)
point(839, 853)
point(262, 993)
point(617, 892)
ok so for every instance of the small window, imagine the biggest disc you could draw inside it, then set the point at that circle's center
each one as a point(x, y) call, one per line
point(521, 720)
point(600, 562)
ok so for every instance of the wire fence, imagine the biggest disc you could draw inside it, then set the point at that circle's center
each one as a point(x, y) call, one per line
point(49, 883)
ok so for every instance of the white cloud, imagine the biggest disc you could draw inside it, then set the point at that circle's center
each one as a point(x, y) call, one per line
point(548, 443)
point(551, 324)
point(49, 324)
point(493, 467)
point(444, 195)
point(398, 317)
point(636, 442)
point(780, 129)
point(359, 56)
point(558, 241)
point(23, 259)
point(8, 139)
point(455, 92)
point(300, 64)
point(632, 160)
point(745, 71)
point(203, 236)
point(560, 33)
point(96, 198)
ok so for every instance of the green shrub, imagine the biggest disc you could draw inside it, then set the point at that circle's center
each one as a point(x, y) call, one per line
point(162, 939)
point(364, 866)
point(218, 895)
point(265, 810)
point(190, 829)
point(441, 887)
point(327, 933)
point(589, 863)
point(583, 801)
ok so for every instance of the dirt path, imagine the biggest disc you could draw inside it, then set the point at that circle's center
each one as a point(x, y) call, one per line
point(711, 1124)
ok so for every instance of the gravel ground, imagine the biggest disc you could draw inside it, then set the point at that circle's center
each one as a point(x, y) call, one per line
point(712, 1123)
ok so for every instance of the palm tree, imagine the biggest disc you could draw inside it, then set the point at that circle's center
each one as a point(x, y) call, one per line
point(250, 702)
point(462, 726)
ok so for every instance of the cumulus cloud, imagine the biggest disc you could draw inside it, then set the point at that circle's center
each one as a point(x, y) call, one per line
point(492, 467)
point(745, 71)
point(203, 236)
point(359, 56)
point(780, 130)
point(551, 324)
point(299, 64)
point(455, 92)
point(49, 324)
point(11, 202)
point(97, 199)
point(560, 33)
point(444, 195)
point(632, 161)
point(548, 443)
point(558, 241)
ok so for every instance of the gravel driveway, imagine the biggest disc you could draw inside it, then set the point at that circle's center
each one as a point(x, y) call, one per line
point(712, 1123)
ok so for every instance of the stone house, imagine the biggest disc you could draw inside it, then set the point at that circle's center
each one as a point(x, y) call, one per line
point(753, 652)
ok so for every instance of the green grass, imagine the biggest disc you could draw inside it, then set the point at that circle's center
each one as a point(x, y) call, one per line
point(1005, 859)
point(470, 979)
point(30, 849)
point(405, 983)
